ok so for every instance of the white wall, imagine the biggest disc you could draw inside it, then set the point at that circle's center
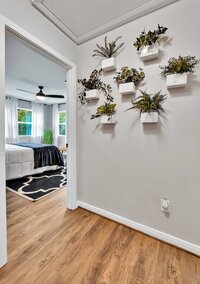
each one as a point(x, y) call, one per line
point(22, 14)
point(126, 169)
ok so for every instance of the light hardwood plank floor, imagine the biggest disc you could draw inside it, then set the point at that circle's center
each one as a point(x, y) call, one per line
point(48, 244)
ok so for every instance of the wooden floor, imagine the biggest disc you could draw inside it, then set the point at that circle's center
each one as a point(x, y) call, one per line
point(51, 245)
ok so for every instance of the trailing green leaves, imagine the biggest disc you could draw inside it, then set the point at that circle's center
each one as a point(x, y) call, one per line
point(94, 82)
point(130, 75)
point(180, 65)
point(106, 109)
point(149, 103)
point(149, 38)
point(109, 49)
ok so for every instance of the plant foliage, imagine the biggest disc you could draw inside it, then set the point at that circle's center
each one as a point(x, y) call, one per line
point(130, 75)
point(94, 82)
point(149, 103)
point(180, 65)
point(48, 136)
point(109, 49)
point(106, 109)
point(149, 38)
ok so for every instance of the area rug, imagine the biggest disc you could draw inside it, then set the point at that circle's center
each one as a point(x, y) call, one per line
point(38, 186)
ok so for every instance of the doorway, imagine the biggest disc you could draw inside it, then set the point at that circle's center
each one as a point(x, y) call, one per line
point(45, 50)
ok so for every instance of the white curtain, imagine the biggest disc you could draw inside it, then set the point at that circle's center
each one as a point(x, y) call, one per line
point(55, 124)
point(37, 122)
point(11, 120)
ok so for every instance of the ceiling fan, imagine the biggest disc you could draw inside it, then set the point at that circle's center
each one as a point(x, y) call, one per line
point(40, 95)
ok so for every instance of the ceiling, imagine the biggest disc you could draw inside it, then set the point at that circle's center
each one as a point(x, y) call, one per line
point(26, 69)
point(83, 20)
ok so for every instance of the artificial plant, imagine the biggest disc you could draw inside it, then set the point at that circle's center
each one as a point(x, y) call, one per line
point(94, 82)
point(110, 49)
point(149, 102)
point(180, 65)
point(106, 109)
point(130, 75)
point(149, 38)
point(48, 136)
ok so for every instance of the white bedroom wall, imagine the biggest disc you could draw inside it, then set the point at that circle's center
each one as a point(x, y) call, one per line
point(22, 14)
point(126, 169)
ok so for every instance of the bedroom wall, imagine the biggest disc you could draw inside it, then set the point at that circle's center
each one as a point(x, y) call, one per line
point(28, 18)
point(128, 168)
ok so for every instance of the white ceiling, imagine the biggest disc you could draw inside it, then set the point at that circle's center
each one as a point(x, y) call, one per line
point(82, 20)
point(27, 69)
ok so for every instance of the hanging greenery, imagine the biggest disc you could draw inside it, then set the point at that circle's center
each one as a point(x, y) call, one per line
point(149, 38)
point(149, 102)
point(106, 109)
point(94, 82)
point(180, 65)
point(109, 49)
point(130, 75)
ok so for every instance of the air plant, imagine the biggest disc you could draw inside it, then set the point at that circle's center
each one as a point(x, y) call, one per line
point(149, 38)
point(149, 102)
point(106, 109)
point(110, 49)
point(94, 82)
point(130, 75)
point(180, 65)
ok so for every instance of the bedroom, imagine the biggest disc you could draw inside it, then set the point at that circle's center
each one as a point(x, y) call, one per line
point(32, 120)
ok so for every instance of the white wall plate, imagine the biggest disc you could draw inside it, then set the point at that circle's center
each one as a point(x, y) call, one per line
point(149, 52)
point(108, 64)
point(151, 117)
point(92, 94)
point(108, 119)
point(176, 80)
point(127, 88)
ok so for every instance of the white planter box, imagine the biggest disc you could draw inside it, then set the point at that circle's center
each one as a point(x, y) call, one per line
point(127, 88)
point(107, 119)
point(176, 80)
point(92, 94)
point(149, 52)
point(108, 64)
point(151, 117)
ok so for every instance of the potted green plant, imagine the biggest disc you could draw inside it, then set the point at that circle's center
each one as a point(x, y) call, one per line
point(128, 79)
point(149, 105)
point(147, 43)
point(48, 136)
point(108, 51)
point(92, 87)
point(177, 69)
point(106, 113)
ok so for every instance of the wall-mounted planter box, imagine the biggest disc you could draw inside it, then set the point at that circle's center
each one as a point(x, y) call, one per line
point(151, 117)
point(176, 80)
point(92, 94)
point(149, 52)
point(108, 119)
point(127, 88)
point(109, 64)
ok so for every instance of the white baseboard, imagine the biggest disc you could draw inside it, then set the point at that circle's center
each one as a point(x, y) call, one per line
point(3, 262)
point(144, 229)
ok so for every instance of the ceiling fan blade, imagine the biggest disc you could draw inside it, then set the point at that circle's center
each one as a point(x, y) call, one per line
point(25, 91)
point(55, 96)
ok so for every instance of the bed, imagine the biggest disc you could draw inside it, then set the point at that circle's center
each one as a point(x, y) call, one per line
point(28, 158)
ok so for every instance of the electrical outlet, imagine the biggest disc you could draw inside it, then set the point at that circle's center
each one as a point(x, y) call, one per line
point(165, 205)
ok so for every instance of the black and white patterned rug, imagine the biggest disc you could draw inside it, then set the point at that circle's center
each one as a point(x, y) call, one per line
point(38, 186)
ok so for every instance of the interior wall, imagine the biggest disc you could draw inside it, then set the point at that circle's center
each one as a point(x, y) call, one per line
point(128, 168)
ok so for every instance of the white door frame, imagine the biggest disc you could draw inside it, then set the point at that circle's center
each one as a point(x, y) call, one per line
point(6, 24)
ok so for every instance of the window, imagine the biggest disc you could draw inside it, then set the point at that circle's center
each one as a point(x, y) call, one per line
point(24, 122)
point(62, 123)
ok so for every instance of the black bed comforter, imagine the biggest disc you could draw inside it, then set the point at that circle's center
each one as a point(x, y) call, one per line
point(44, 155)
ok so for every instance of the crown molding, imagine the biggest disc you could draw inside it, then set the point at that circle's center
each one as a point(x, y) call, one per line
point(128, 17)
